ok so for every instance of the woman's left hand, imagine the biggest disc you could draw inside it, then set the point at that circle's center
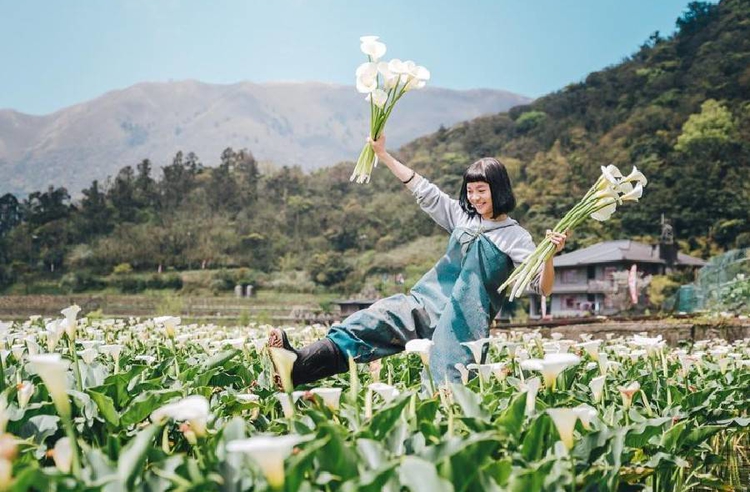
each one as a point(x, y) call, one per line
point(558, 239)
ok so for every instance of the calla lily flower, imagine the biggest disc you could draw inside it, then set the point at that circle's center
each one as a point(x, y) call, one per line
point(484, 370)
point(464, 373)
point(287, 402)
point(592, 348)
point(421, 346)
point(390, 79)
point(635, 175)
point(551, 366)
point(611, 174)
point(531, 387)
point(54, 329)
point(25, 392)
point(88, 355)
point(476, 348)
point(330, 396)
point(269, 453)
point(565, 422)
point(193, 409)
point(70, 314)
point(372, 47)
point(367, 77)
point(606, 207)
point(586, 414)
point(284, 361)
point(63, 455)
point(627, 393)
point(378, 97)
point(386, 391)
point(597, 388)
point(499, 369)
point(634, 195)
point(169, 323)
point(53, 370)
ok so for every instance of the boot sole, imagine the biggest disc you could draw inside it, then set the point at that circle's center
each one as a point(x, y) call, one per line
point(276, 340)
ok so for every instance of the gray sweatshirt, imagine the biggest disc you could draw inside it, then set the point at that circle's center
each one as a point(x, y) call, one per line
point(507, 234)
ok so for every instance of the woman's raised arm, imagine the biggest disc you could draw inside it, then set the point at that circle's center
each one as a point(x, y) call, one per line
point(403, 172)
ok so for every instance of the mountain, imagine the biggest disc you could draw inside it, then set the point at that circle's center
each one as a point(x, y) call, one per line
point(307, 124)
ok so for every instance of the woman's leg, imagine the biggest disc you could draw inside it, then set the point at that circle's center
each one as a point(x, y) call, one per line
point(378, 331)
point(315, 361)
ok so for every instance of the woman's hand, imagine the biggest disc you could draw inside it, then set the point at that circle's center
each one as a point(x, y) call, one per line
point(378, 145)
point(558, 239)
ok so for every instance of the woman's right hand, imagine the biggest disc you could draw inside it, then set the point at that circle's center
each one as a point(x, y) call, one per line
point(378, 145)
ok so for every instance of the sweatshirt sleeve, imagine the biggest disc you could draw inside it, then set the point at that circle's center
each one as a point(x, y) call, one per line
point(521, 248)
point(443, 209)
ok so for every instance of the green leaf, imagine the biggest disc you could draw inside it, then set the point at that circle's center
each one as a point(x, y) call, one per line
point(133, 456)
point(40, 427)
point(106, 407)
point(513, 417)
point(385, 418)
point(419, 475)
point(670, 439)
point(145, 403)
point(538, 438)
point(470, 403)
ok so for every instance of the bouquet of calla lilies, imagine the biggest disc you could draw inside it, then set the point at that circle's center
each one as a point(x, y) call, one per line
point(384, 83)
point(599, 203)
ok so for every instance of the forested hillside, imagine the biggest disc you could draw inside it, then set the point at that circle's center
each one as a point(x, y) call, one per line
point(678, 109)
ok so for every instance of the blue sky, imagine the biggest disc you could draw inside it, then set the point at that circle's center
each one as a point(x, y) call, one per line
point(58, 53)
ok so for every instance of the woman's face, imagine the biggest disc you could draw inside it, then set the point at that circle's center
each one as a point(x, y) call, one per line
point(480, 197)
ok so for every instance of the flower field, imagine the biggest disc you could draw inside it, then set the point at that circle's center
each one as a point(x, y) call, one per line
point(155, 405)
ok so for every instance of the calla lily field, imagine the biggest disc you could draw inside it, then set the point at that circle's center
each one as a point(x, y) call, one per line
point(161, 405)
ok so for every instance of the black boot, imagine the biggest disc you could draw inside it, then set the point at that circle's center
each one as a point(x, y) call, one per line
point(319, 360)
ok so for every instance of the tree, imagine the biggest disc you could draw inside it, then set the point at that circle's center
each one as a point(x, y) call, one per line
point(714, 123)
point(95, 213)
point(10, 213)
point(122, 195)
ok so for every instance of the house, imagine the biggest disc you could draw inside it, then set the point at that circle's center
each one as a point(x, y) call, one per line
point(594, 280)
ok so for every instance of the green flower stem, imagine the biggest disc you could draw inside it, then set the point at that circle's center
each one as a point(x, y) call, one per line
point(70, 432)
point(176, 363)
point(2, 375)
point(76, 369)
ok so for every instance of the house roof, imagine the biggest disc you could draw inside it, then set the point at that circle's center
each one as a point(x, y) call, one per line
point(624, 250)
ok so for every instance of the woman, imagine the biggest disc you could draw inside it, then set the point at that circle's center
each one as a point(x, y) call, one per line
point(452, 303)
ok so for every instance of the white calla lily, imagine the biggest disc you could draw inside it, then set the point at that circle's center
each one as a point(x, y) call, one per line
point(386, 391)
point(372, 47)
point(605, 208)
point(565, 422)
point(25, 392)
point(268, 452)
point(635, 175)
point(194, 409)
point(531, 387)
point(62, 455)
point(378, 97)
point(284, 361)
point(53, 370)
point(597, 388)
point(634, 195)
point(71, 314)
point(421, 346)
point(169, 323)
point(476, 348)
point(464, 372)
point(551, 366)
point(627, 393)
point(330, 396)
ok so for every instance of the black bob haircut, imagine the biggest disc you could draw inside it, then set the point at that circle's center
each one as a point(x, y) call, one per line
point(492, 172)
